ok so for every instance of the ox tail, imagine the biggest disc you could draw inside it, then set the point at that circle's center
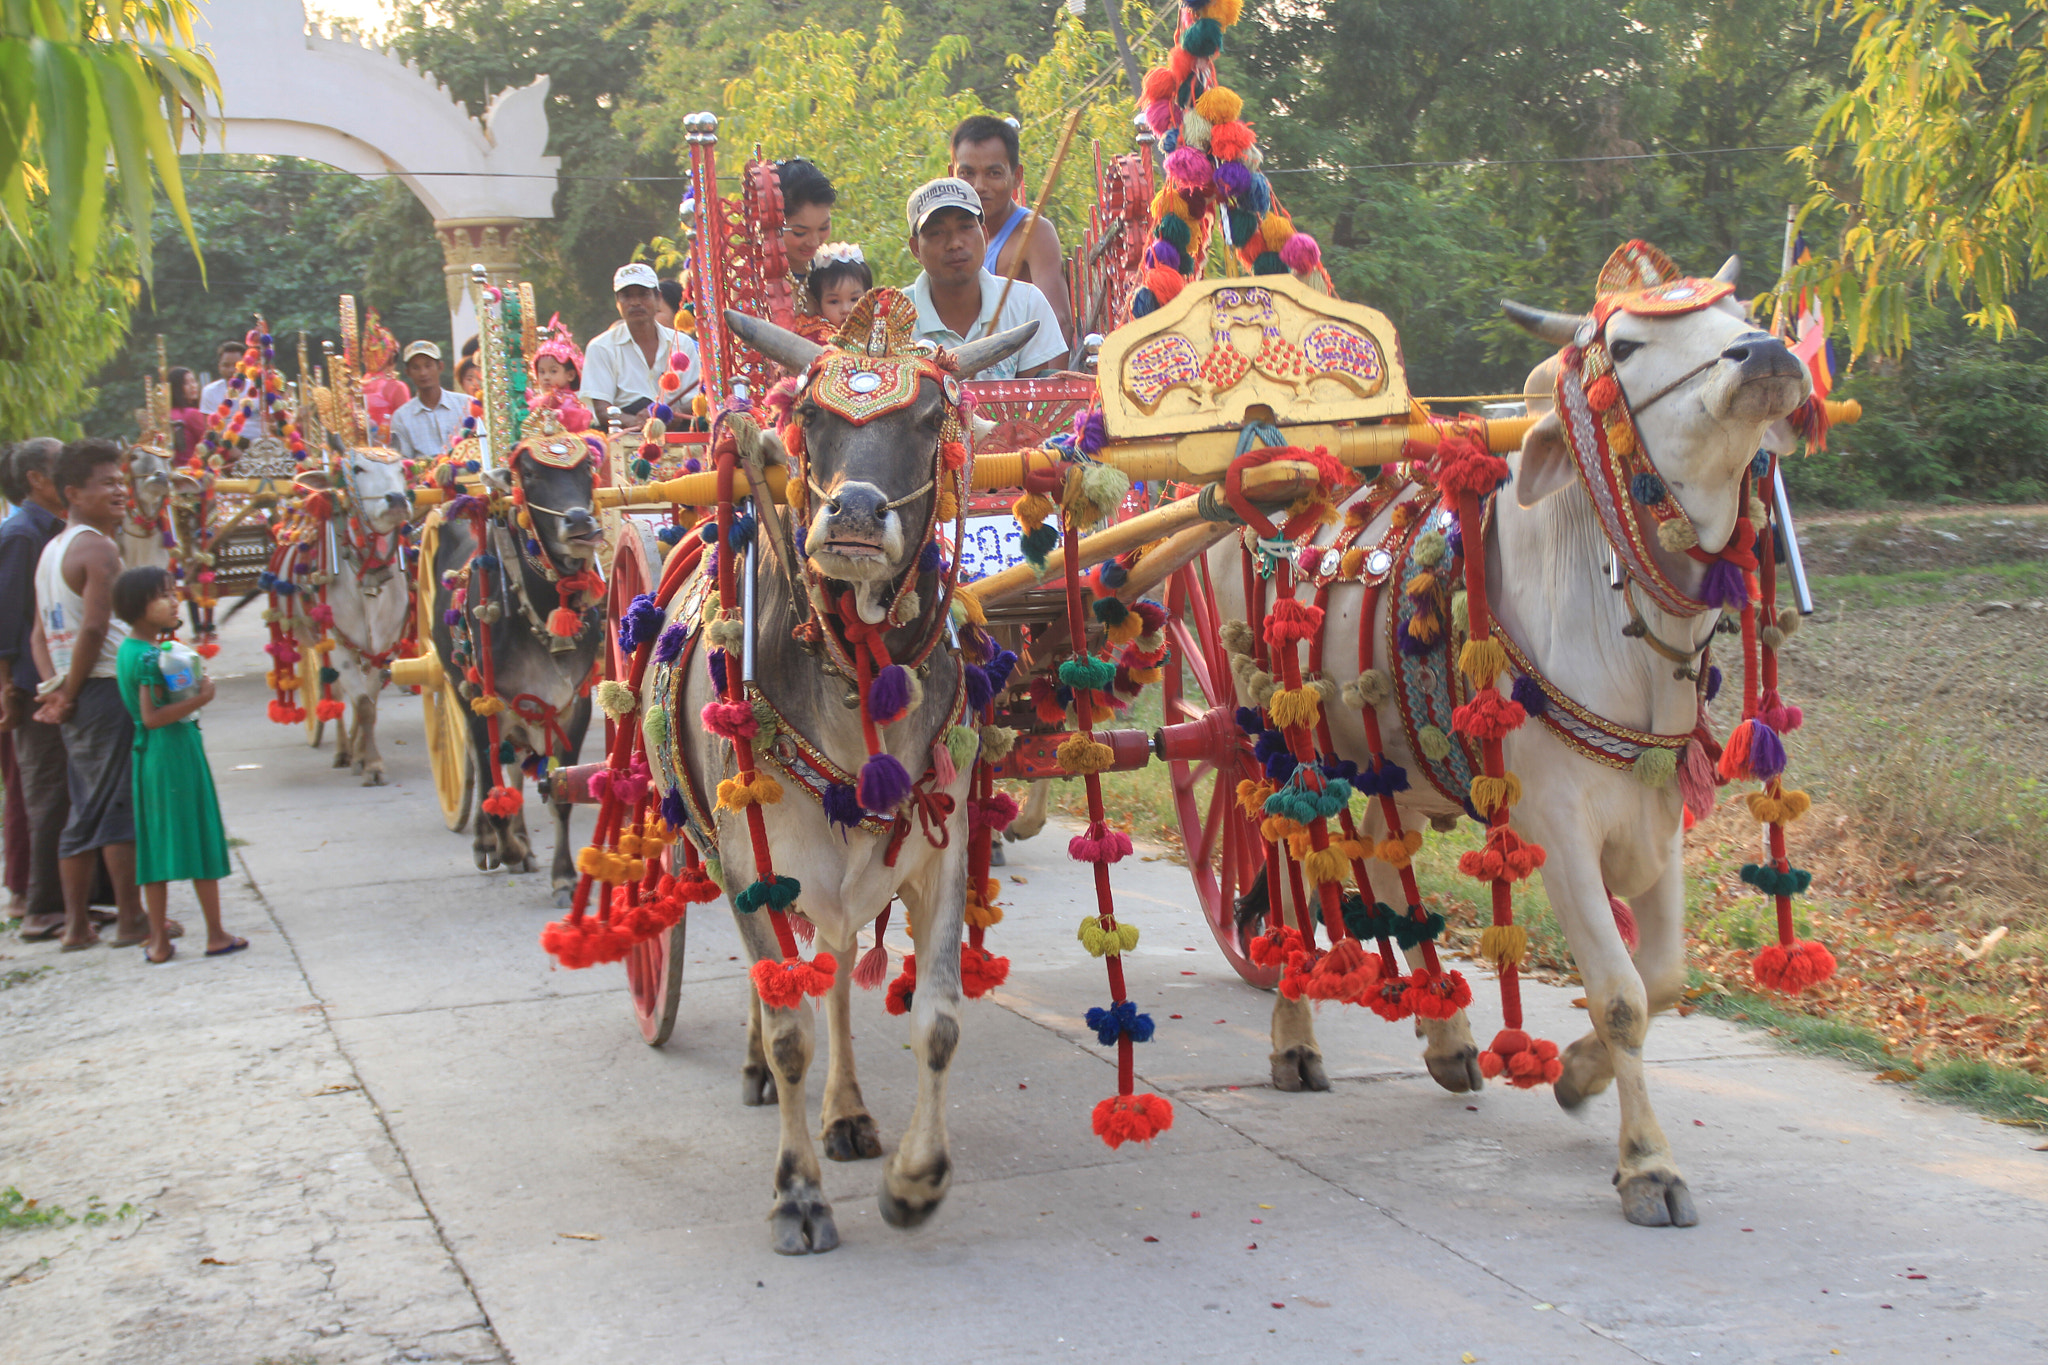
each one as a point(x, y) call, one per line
point(1624, 920)
point(1249, 910)
point(240, 602)
point(874, 963)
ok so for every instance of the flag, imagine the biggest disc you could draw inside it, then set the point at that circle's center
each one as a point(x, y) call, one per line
point(1810, 331)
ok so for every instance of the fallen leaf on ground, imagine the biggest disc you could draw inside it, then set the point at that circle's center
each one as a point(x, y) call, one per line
point(1984, 946)
point(1578, 1002)
point(582, 1236)
point(1896, 1074)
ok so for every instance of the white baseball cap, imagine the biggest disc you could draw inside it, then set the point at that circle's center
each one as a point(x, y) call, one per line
point(426, 348)
point(947, 192)
point(636, 273)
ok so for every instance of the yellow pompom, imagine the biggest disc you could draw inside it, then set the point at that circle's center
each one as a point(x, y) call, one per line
point(1489, 794)
point(1503, 945)
point(1482, 661)
point(1677, 535)
point(1166, 202)
point(1276, 228)
point(1621, 435)
point(1324, 865)
point(1251, 796)
point(1081, 756)
point(1224, 12)
point(1219, 105)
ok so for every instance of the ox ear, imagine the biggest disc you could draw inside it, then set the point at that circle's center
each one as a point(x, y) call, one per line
point(499, 481)
point(1546, 466)
point(784, 347)
point(773, 452)
point(337, 445)
point(313, 478)
point(1558, 329)
point(977, 356)
point(185, 483)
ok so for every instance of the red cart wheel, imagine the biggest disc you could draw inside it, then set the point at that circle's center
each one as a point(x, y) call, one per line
point(654, 967)
point(1206, 756)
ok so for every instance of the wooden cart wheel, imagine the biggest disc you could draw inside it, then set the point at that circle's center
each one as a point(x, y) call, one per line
point(1224, 851)
point(654, 967)
point(442, 711)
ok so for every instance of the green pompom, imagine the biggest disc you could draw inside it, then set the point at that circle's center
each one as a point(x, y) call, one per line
point(329, 676)
point(1656, 767)
point(1430, 549)
point(1434, 743)
point(1461, 614)
point(654, 728)
point(1173, 230)
point(1269, 263)
point(1088, 672)
point(962, 744)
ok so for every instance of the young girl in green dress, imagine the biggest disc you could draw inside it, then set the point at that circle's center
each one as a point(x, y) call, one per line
point(178, 834)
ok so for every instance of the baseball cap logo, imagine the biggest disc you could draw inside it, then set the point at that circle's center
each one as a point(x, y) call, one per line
point(944, 193)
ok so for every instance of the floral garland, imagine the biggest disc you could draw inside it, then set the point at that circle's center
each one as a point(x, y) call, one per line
point(254, 379)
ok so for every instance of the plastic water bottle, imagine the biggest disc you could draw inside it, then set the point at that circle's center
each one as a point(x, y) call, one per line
point(182, 668)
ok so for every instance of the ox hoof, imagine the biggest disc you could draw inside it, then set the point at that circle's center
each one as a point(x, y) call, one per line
point(904, 1212)
point(486, 859)
point(802, 1225)
point(757, 1085)
point(1457, 1070)
point(853, 1138)
point(1587, 1072)
point(563, 897)
point(1656, 1199)
point(1299, 1068)
point(995, 856)
point(341, 759)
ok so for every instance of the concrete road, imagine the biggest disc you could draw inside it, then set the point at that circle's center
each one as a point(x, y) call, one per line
point(391, 1131)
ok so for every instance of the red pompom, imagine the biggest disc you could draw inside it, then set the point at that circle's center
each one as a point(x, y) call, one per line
point(1159, 84)
point(1389, 997)
point(694, 887)
point(1792, 968)
point(1505, 856)
point(1229, 141)
point(1520, 1060)
point(1603, 393)
point(781, 985)
point(206, 649)
point(1462, 465)
point(1165, 284)
point(1438, 995)
point(1132, 1118)
point(1272, 950)
point(981, 971)
point(730, 719)
point(1347, 973)
point(1488, 715)
point(565, 623)
point(1181, 64)
point(328, 708)
point(502, 802)
point(903, 987)
point(1293, 622)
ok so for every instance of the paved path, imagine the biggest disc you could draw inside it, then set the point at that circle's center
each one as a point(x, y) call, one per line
point(366, 1138)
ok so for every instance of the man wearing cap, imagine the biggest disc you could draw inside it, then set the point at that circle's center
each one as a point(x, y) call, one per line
point(623, 365)
point(422, 428)
point(956, 296)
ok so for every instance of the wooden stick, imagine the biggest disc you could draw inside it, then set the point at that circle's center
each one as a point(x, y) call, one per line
point(1052, 175)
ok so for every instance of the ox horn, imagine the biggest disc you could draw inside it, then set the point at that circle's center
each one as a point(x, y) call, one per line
point(977, 356)
point(792, 352)
point(1558, 329)
point(1730, 271)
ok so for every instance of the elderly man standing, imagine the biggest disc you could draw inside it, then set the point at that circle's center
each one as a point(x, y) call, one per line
point(422, 428)
point(623, 365)
point(955, 295)
point(78, 635)
point(40, 791)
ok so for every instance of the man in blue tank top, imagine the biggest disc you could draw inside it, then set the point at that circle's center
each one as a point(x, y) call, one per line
point(985, 155)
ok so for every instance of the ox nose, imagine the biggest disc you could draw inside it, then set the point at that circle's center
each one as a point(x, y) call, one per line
point(578, 524)
point(1760, 354)
point(397, 502)
point(858, 503)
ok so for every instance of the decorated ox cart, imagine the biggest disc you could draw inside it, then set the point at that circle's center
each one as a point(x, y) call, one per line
point(801, 621)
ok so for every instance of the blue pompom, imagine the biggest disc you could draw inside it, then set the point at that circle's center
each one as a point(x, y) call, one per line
point(1114, 575)
point(1281, 766)
point(928, 557)
point(669, 535)
point(1646, 489)
point(1250, 721)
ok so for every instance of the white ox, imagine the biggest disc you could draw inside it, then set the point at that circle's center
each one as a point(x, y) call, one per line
point(370, 594)
point(1548, 577)
point(150, 486)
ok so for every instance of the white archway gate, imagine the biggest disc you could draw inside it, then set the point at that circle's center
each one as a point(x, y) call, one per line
point(287, 90)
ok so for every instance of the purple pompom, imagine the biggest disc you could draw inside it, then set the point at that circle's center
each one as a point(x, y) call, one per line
point(1713, 681)
point(999, 669)
point(1233, 180)
point(714, 660)
point(673, 811)
point(1766, 751)
point(1090, 431)
point(1529, 695)
point(889, 695)
point(1341, 768)
point(928, 557)
point(884, 784)
point(1724, 586)
point(643, 622)
point(842, 805)
point(451, 617)
point(1166, 254)
point(1281, 766)
point(1454, 537)
point(975, 679)
point(669, 646)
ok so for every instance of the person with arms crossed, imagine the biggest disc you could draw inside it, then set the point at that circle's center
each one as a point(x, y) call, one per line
point(955, 295)
point(78, 637)
point(41, 795)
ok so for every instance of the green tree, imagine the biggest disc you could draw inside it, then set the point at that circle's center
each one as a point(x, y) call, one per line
point(56, 327)
point(1931, 169)
point(594, 53)
point(81, 83)
point(284, 238)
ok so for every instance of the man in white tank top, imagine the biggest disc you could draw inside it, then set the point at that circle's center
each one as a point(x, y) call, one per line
point(77, 638)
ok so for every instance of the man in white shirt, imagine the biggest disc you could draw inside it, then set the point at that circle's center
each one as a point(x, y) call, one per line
point(623, 365)
point(423, 428)
point(213, 395)
point(956, 296)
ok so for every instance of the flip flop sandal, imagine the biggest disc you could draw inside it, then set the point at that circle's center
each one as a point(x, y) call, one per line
point(41, 935)
point(234, 947)
point(80, 947)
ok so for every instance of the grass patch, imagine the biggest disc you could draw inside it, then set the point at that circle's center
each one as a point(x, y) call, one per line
point(1997, 1092)
point(1921, 587)
point(19, 1212)
point(21, 976)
